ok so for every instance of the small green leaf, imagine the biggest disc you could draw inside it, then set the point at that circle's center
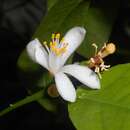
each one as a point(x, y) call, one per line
point(107, 108)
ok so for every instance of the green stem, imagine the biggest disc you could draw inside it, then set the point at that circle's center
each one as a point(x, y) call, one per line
point(24, 101)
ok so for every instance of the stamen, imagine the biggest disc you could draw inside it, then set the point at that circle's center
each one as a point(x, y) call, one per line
point(57, 36)
point(96, 62)
point(97, 70)
point(62, 40)
point(55, 46)
point(46, 47)
point(104, 67)
point(96, 47)
point(58, 51)
point(53, 36)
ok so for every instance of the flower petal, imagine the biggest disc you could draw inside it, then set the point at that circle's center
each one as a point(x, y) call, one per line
point(73, 38)
point(31, 48)
point(37, 53)
point(54, 63)
point(65, 87)
point(83, 74)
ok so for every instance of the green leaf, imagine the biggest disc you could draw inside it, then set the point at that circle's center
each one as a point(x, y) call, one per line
point(107, 108)
point(51, 3)
point(96, 17)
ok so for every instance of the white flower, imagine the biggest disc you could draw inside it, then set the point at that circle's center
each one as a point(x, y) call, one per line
point(53, 57)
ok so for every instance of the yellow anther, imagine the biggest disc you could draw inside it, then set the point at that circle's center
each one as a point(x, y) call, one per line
point(45, 42)
point(53, 36)
point(51, 44)
point(55, 46)
point(62, 40)
point(57, 35)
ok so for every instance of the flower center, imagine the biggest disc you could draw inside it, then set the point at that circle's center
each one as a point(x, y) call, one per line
point(56, 46)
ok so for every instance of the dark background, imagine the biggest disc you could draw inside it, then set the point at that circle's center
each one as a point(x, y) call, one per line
point(18, 21)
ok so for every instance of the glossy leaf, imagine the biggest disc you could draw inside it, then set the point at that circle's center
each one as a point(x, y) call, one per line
point(107, 108)
point(94, 16)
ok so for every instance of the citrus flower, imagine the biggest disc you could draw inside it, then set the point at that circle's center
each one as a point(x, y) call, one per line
point(53, 57)
point(97, 61)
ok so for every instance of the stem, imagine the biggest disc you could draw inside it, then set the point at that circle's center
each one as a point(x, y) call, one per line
point(24, 101)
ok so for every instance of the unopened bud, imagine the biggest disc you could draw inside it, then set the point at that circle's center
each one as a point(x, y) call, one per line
point(52, 91)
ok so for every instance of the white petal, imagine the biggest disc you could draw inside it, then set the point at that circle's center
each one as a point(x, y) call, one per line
point(31, 48)
point(65, 87)
point(73, 37)
point(83, 74)
point(54, 63)
point(37, 53)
